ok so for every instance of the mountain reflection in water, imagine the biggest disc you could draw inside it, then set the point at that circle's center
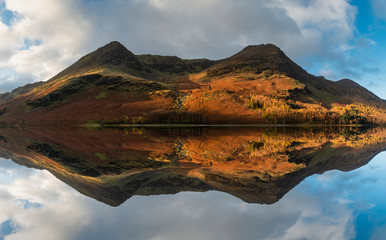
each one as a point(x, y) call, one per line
point(257, 165)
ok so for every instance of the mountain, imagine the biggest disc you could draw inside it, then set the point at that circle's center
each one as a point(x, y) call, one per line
point(254, 164)
point(260, 84)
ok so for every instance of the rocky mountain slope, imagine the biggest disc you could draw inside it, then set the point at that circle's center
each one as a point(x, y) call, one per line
point(260, 84)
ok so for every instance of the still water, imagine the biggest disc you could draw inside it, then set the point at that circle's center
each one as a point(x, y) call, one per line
point(192, 184)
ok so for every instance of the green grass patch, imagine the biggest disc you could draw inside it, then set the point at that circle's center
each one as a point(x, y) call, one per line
point(91, 124)
point(101, 156)
point(101, 95)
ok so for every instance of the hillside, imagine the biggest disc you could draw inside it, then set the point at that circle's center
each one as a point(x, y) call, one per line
point(258, 85)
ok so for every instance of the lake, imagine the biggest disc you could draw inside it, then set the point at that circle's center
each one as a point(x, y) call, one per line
point(193, 183)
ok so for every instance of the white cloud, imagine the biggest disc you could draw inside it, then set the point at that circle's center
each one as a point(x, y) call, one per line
point(40, 206)
point(57, 25)
point(327, 24)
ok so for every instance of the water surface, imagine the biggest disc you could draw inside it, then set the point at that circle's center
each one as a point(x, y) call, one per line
point(192, 183)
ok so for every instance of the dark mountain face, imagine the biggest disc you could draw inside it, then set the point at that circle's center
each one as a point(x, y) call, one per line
point(148, 66)
point(260, 84)
point(265, 57)
point(172, 66)
point(113, 53)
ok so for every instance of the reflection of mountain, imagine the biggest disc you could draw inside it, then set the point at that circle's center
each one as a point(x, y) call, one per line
point(254, 164)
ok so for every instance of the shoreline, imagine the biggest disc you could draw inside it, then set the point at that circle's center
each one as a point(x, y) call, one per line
point(177, 125)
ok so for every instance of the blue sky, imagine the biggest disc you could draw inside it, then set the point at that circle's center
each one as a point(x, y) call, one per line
point(335, 38)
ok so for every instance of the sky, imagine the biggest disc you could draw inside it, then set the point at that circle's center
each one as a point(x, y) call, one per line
point(334, 38)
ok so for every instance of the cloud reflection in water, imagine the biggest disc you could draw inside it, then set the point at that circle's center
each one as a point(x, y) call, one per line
point(335, 205)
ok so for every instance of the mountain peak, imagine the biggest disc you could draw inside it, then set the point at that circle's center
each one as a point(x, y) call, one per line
point(257, 59)
point(262, 51)
point(113, 46)
point(348, 82)
point(112, 53)
point(114, 43)
point(262, 47)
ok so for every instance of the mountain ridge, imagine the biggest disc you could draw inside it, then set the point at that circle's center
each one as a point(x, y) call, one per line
point(259, 84)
